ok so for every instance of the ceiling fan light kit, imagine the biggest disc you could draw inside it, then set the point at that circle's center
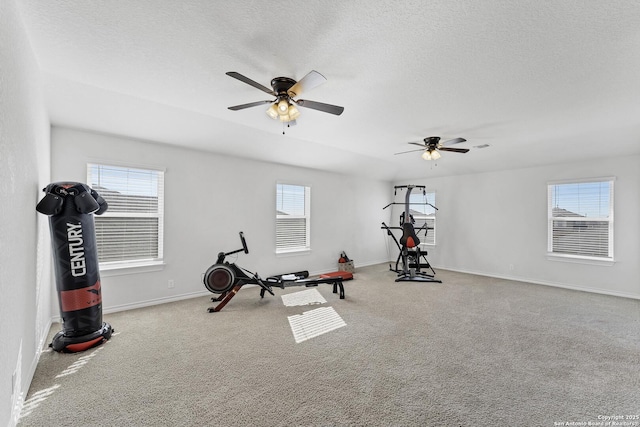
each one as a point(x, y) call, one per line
point(284, 111)
point(431, 155)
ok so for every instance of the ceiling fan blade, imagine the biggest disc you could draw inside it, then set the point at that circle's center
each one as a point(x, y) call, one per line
point(453, 141)
point(250, 82)
point(455, 150)
point(249, 105)
point(327, 108)
point(419, 144)
point(308, 82)
point(410, 151)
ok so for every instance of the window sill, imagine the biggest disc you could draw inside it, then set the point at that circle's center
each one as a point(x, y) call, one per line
point(580, 260)
point(293, 252)
point(122, 268)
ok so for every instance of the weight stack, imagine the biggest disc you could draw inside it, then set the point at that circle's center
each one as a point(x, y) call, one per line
point(70, 207)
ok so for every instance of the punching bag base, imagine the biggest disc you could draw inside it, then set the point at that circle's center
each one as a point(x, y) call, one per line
point(64, 344)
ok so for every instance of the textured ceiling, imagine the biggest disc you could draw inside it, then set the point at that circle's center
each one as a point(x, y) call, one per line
point(538, 81)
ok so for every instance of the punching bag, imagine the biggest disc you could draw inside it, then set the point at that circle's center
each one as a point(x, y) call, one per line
point(70, 207)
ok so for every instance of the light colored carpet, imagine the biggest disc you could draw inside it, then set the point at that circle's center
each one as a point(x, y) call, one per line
point(472, 351)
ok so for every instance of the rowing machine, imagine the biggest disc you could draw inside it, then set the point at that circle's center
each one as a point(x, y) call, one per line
point(228, 278)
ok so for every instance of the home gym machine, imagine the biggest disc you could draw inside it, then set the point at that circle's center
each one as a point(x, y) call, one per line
point(228, 278)
point(412, 258)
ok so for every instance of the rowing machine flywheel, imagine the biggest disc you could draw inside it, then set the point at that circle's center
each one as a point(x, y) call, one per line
point(219, 278)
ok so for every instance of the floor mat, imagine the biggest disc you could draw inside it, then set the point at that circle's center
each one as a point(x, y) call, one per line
point(308, 297)
point(313, 323)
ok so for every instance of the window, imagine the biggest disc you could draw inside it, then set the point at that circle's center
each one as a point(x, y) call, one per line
point(581, 219)
point(130, 232)
point(423, 213)
point(292, 218)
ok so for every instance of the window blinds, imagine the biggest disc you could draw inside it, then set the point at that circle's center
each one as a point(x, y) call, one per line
point(292, 218)
point(581, 218)
point(132, 227)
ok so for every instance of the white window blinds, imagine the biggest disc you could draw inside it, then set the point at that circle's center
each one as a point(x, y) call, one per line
point(581, 219)
point(292, 218)
point(423, 213)
point(131, 230)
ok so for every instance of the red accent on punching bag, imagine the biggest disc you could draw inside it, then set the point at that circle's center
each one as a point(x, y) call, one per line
point(78, 299)
point(74, 348)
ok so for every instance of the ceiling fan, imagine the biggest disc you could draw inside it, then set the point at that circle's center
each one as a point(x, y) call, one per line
point(285, 89)
point(431, 146)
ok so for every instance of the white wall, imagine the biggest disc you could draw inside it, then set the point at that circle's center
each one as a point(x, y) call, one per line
point(25, 269)
point(210, 198)
point(488, 222)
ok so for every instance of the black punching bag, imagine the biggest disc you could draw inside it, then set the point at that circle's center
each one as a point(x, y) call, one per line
point(70, 207)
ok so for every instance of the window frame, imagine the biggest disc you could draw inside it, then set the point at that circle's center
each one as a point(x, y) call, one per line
point(577, 257)
point(125, 266)
point(430, 196)
point(306, 216)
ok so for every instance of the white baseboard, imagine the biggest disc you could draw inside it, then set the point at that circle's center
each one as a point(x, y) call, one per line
point(370, 263)
point(156, 301)
point(543, 282)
